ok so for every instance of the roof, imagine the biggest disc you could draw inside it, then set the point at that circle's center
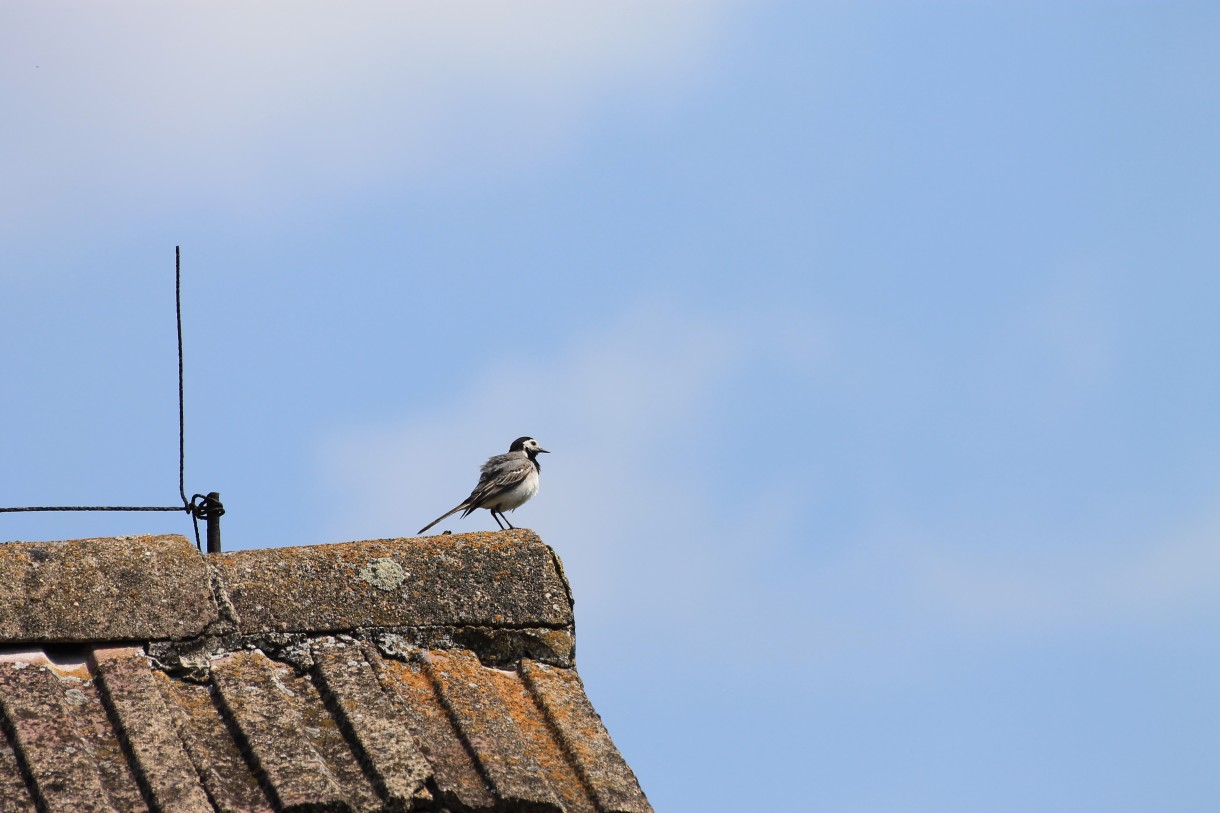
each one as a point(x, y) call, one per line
point(404, 674)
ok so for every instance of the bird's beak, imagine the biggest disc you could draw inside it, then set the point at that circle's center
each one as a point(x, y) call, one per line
point(543, 451)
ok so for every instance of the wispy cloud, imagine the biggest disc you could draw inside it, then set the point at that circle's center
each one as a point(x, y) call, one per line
point(712, 549)
point(229, 98)
point(622, 412)
point(646, 496)
point(1096, 585)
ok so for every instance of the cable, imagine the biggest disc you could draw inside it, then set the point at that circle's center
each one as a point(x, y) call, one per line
point(181, 399)
point(200, 506)
point(93, 508)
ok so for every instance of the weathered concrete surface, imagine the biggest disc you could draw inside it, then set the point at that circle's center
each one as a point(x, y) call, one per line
point(508, 579)
point(459, 784)
point(491, 729)
point(65, 773)
point(562, 697)
point(130, 690)
point(134, 588)
point(389, 751)
point(223, 771)
point(291, 736)
point(374, 677)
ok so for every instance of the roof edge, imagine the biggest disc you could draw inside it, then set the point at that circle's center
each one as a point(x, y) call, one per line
point(502, 594)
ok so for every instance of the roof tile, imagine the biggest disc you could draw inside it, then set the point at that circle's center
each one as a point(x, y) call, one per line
point(14, 795)
point(67, 591)
point(88, 716)
point(455, 773)
point(284, 730)
point(222, 770)
point(490, 730)
point(61, 765)
point(580, 729)
point(538, 740)
point(439, 705)
point(393, 757)
point(131, 693)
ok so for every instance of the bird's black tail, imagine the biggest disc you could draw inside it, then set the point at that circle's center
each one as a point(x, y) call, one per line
point(445, 515)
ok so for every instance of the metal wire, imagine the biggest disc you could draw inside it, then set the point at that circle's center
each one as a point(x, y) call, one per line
point(199, 507)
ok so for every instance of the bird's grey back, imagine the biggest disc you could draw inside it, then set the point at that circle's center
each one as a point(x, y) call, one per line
point(500, 463)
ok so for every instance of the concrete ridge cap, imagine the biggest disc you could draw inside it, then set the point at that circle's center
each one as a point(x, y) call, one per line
point(508, 578)
point(67, 591)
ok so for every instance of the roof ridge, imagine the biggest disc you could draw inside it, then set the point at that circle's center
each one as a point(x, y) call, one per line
point(404, 674)
point(67, 592)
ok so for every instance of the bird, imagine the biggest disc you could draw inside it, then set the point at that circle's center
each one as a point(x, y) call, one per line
point(506, 482)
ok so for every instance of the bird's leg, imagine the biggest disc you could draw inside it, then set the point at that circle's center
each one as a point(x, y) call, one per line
point(497, 519)
point(510, 525)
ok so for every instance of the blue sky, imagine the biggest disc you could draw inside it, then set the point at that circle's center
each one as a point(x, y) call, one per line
point(874, 342)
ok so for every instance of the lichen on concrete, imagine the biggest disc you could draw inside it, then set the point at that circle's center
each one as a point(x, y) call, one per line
point(505, 579)
point(383, 573)
point(115, 589)
point(390, 675)
point(501, 595)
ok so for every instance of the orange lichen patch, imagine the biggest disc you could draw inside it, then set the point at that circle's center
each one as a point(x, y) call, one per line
point(457, 778)
point(490, 730)
point(442, 543)
point(538, 739)
point(561, 696)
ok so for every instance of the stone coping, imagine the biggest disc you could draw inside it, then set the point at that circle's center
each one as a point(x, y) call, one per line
point(149, 588)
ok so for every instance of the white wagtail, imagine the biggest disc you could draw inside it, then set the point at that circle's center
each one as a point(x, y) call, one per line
point(505, 482)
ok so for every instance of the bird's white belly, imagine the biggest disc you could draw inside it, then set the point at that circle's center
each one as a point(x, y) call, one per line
point(520, 493)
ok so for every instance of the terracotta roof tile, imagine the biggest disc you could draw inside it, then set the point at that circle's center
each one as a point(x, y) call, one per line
point(409, 679)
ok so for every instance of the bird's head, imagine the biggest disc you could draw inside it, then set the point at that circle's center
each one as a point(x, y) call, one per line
point(527, 445)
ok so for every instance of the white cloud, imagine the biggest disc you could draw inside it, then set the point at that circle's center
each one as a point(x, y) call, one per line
point(233, 97)
point(631, 497)
point(1149, 580)
point(621, 412)
point(651, 542)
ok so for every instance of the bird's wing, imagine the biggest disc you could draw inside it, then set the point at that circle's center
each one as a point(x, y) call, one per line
point(497, 462)
point(496, 480)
